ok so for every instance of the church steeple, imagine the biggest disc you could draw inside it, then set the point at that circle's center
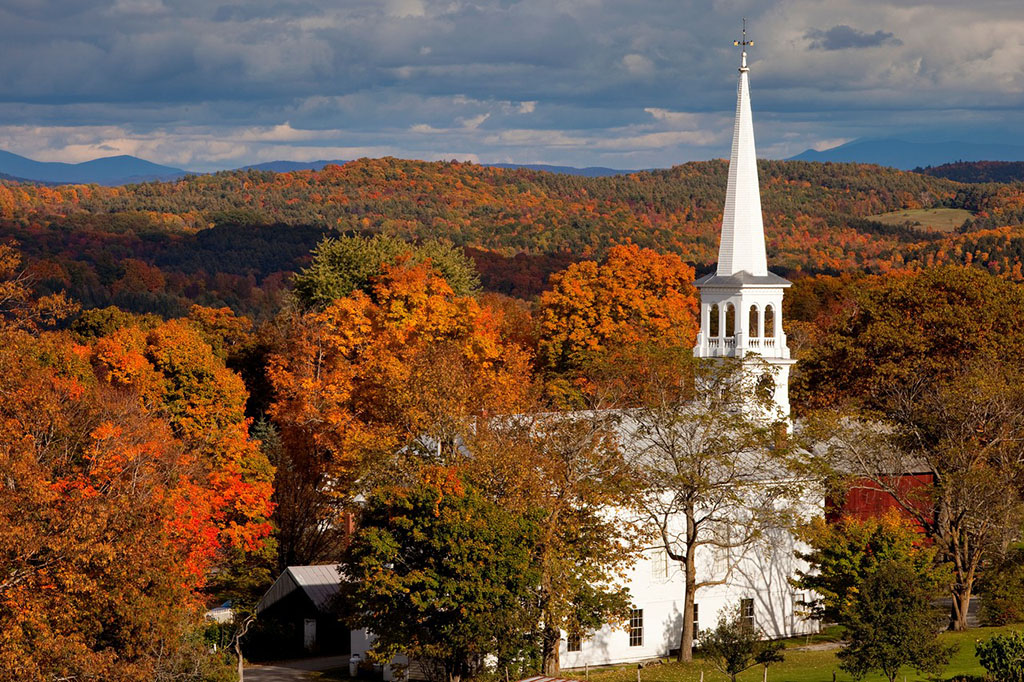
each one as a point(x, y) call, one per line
point(742, 247)
point(741, 301)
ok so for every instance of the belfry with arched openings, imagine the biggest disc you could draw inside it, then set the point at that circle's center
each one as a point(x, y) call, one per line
point(741, 301)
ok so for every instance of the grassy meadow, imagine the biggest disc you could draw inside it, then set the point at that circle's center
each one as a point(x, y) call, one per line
point(937, 219)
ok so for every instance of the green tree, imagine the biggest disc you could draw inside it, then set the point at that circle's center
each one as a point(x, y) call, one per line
point(734, 645)
point(842, 554)
point(891, 621)
point(346, 264)
point(442, 575)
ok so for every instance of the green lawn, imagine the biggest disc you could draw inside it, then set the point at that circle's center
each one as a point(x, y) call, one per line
point(799, 666)
point(938, 219)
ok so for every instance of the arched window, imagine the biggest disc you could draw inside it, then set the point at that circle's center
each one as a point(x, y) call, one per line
point(730, 320)
point(713, 322)
point(769, 321)
point(753, 321)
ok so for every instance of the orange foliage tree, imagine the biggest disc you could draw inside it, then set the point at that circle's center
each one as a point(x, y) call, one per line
point(107, 524)
point(400, 371)
point(128, 477)
point(633, 296)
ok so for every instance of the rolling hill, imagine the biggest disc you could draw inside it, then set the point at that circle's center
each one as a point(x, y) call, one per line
point(233, 238)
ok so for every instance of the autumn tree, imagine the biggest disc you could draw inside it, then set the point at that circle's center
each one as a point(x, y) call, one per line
point(889, 331)
point(962, 431)
point(567, 471)
point(107, 525)
point(633, 296)
point(19, 306)
point(712, 472)
point(921, 375)
point(396, 374)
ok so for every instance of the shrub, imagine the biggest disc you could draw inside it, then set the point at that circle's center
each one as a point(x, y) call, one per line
point(734, 645)
point(1003, 656)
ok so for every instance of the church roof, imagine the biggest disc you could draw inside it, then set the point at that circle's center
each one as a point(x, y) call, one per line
point(742, 247)
point(742, 278)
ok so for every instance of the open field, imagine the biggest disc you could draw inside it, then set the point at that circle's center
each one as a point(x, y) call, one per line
point(801, 665)
point(938, 219)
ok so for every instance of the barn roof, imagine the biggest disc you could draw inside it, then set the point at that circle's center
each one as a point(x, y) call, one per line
point(318, 583)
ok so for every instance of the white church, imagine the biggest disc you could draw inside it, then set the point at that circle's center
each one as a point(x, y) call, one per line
point(740, 313)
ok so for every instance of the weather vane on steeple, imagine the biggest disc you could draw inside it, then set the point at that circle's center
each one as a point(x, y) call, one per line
point(744, 42)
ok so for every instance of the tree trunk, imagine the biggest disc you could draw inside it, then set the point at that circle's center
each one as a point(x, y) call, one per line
point(552, 637)
point(686, 638)
point(690, 575)
point(243, 628)
point(961, 602)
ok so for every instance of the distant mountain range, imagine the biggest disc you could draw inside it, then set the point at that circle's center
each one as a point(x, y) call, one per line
point(111, 170)
point(909, 155)
point(122, 170)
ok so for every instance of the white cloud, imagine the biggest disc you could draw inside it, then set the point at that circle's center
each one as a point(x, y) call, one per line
point(638, 65)
point(187, 82)
point(406, 8)
point(474, 122)
point(822, 145)
point(679, 119)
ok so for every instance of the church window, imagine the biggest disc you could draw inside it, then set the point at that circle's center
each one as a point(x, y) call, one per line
point(696, 619)
point(730, 319)
point(713, 322)
point(574, 642)
point(769, 321)
point(747, 612)
point(636, 627)
point(753, 321)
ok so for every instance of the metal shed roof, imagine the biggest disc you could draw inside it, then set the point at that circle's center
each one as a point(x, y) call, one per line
point(319, 583)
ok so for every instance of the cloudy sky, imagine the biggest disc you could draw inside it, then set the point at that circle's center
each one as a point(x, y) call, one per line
point(204, 84)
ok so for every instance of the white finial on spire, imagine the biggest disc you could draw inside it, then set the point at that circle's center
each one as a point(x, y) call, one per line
point(742, 247)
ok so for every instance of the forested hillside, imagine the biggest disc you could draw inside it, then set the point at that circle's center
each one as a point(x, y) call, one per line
point(977, 171)
point(233, 238)
point(160, 464)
